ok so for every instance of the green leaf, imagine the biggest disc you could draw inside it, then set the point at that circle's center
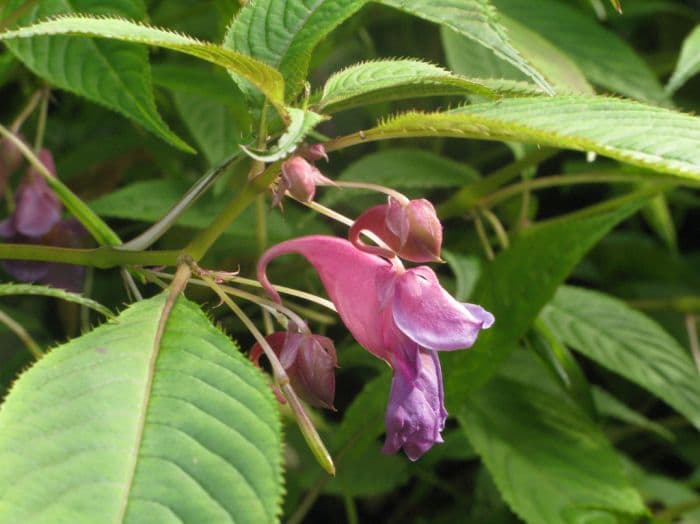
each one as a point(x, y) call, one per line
point(46, 291)
point(658, 215)
point(113, 74)
point(468, 58)
point(211, 106)
point(520, 281)
point(403, 169)
point(688, 62)
point(265, 78)
point(555, 66)
point(111, 428)
point(628, 343)
point(549, 460)
point(301, 122)
point(605, 59)
point(474, 19)
point(659, 139)
point(283, 34)
point(609, 406)
point(466, 270)
point(382, 80)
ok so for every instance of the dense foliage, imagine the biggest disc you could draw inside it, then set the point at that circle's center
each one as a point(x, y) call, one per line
point(160, 363)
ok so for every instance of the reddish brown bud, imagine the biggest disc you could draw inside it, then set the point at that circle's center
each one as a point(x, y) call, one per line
point(310, 362)
point(411, 230)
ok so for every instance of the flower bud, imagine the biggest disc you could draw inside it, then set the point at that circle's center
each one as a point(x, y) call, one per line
point(315, 152)
point(300, 178)
point(37, 207)
point(411, 230)
point(310, 362)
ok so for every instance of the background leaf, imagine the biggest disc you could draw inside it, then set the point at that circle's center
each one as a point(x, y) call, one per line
point(468, 58)
point(283, 34)
point(383, 80)
point(605, 58)
point(548, 459)
point(517, 285)
point(474, 19)
point(211, 106)
point(641, 135)
point(263, 77)
point(186, 431)
point(688, 62)
point(76, 64)
point(626, 342)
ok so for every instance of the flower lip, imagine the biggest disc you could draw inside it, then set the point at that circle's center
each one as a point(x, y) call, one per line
point(429, 316)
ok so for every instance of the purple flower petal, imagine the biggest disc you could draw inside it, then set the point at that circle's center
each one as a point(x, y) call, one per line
point(428, 315)
point(415, 415)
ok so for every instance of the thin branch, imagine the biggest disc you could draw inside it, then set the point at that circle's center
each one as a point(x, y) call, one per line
point(22, 334)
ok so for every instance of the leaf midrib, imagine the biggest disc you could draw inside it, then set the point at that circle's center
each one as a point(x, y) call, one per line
point(141, 421)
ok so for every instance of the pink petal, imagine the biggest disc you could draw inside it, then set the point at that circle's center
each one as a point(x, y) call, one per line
point(428, 315)
point(352, 280)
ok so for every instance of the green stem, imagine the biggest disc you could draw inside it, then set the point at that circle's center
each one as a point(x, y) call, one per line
point(41, 122)
point(101, 257)
point(490, 255)
point(681, 304)
point(497, 228)
point(559, 180)
point(198, 247)
point(157, 230)
point(26, 111)
point(102, 233)
point(261, 223)
point(351, 510)
point(22, 334)
point(467, 197)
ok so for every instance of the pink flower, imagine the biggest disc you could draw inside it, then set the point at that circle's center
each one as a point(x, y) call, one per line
point(401, 316)
point(37, 220)
point(300, 178)
point(411, 229)
point(310, 363)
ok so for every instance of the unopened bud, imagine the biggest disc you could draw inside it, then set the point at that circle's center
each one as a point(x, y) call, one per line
point(300, 178)
point(310, 362)
point(410, 229)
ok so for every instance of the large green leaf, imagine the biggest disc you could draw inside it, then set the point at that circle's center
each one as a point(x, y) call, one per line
point(627, 342)
point(688, 63)
point(283, 34)
point(641, 135)
point(262, 76)
point(113, 74)
point(605, 59)
point(549, 460)
point(382, 80)
point(518, 284)
point(112, 427)
point(474, 19)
